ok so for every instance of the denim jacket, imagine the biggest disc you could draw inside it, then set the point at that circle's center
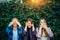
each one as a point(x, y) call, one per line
point(9, 32)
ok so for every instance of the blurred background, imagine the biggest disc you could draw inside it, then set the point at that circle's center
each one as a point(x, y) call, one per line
point(35, 9)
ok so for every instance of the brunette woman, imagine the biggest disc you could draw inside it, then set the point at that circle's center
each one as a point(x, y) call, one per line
point(29, 30)
point(43, 32)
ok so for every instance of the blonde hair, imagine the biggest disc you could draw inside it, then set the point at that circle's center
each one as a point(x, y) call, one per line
point(15, 18)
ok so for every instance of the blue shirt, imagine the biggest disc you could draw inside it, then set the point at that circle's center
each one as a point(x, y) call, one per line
point(15, 35)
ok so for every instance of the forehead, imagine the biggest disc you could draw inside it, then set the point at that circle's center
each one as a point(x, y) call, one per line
point(15, 19)
point(42, 20)
point(29, 21)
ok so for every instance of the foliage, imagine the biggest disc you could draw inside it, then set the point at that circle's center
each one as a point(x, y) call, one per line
point(22, 11)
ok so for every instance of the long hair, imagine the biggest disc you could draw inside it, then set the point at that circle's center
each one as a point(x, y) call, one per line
point(46, 34)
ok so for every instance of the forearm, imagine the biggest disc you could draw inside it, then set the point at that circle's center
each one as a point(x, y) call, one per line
point(20, 30)
point(50, 33)
point(38, 34)
point(24, 32)
point(34, 32)
point(18, 24)
point(8, 30)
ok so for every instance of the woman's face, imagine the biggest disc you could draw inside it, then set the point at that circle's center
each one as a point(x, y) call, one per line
point(42, 22)
point(29, 24)
point(14, 22)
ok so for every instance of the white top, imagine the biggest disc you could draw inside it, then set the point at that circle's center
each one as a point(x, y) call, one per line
point(15, 35)
point(43, 37)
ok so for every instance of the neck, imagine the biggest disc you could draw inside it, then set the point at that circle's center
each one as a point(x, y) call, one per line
point(29, 27)
point(15, 28)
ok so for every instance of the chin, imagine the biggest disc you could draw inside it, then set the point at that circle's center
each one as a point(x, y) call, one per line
point(14, 25)
point(29, 27)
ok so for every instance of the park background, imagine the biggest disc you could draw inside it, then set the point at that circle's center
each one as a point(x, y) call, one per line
point(23, 9)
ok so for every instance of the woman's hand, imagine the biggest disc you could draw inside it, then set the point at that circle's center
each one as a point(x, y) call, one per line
point(26, 27)
point(18, 24)
point(11, 23)
point(33, 27)
point(44, 26)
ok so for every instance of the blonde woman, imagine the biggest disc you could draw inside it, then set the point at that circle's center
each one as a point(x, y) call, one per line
point(43, 32)
point(14, 30)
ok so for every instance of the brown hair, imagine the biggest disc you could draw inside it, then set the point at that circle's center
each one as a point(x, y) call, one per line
point(46, 34)
point(29, 19)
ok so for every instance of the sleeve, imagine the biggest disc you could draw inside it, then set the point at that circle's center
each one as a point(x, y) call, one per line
point(24, 32)
point(37, 33)
point(34, 32)
point(8, 30)
point(20, 29)
point(50, 33)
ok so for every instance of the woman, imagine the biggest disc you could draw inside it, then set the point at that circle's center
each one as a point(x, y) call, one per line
point(29, 30)
point(43, 32)
point(14, 30)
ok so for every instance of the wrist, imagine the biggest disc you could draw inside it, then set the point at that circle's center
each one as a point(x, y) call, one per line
point(25, 29)
point(10, 24)
point(19, 24)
